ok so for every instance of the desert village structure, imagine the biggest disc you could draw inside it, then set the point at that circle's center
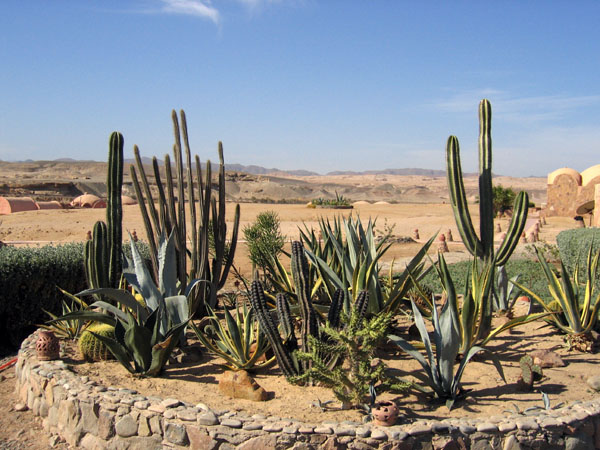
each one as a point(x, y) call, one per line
point(571, 193)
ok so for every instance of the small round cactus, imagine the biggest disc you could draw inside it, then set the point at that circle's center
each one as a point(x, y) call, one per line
point(91, 348)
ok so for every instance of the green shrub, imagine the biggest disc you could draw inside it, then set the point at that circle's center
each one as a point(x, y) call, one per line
point(530, 274)
point(29, 278)
point(573, 245)
point(339, 200)
point(264, 239)
point(503, 199)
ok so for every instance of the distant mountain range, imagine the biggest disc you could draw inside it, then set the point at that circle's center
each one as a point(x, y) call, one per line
point(259, 170)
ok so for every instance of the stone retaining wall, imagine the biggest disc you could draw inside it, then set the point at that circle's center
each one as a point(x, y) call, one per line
point(91, 416)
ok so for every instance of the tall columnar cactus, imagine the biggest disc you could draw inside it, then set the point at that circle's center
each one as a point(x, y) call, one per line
point(207, 216)
point(482, 247)
point(114, 209)
point(102, 254)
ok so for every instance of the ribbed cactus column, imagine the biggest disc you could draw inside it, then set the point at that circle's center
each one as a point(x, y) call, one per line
point(102, 254)
point(114, 210)
point(482, 247)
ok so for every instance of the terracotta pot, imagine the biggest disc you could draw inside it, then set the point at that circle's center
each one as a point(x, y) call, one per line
point(385, 414)
point(47, 346)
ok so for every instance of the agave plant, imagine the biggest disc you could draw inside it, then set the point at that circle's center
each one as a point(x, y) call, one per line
point(239, 341)
point(139, 345)
point(574, 309)
point(505, 295)
point(475, 307)
point(439, 366)
point(68, 329)
point(136, 273)
point(352, 264)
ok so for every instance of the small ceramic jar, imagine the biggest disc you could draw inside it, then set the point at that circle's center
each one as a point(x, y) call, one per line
point(47, 346)
point(385, 414)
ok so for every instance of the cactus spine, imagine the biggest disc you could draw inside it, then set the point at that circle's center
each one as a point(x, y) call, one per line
point(482, 247)
point(207, 216)
point(102, 255)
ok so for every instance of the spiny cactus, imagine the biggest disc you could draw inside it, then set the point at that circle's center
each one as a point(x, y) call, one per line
point(285, 318)
point(285, 348)
point(92, 348)
point(530, 372)
point(482, 247)
point(103, 253)
point(207, 217)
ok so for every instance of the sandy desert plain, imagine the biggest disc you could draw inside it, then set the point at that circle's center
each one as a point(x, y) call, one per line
point(419, 202)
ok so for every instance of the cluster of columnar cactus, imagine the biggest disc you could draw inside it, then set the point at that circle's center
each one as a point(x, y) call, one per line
point(208, 232)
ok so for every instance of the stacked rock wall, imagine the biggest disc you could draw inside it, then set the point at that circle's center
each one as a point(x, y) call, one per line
point(90, 416)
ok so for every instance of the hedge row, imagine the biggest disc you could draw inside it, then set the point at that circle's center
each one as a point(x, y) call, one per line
point(574, 245)
point(530, 275)
point(28, 283)
point(29, 278)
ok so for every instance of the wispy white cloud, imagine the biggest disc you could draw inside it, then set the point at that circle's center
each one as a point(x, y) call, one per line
point(199, 8)
point(518, 109)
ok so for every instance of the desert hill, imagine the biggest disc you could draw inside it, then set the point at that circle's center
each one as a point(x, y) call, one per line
point(64, 179)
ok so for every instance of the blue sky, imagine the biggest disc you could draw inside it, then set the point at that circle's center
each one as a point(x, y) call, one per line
point(304, 84)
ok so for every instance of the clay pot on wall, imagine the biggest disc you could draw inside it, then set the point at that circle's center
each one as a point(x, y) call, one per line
point(385, 414)
point(47, 346)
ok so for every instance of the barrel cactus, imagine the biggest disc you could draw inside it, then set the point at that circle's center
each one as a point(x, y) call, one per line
point(92, 348)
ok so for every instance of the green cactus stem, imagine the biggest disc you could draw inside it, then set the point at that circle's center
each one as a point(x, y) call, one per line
point(114, 209)
point(103, 263)
point(482, 247)
point(284, 353)
point(283, 313)
point(206, 215)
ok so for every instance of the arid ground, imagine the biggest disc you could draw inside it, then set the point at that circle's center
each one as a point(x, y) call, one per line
point(423, 206)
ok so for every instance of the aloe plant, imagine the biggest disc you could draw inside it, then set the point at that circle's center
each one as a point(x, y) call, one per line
point(447, 340)
point(239, 340)
point(139, 344)
point(505, 292)
point(574, 309)
point(145, 334)
point(206, 216)
point(475, 306)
